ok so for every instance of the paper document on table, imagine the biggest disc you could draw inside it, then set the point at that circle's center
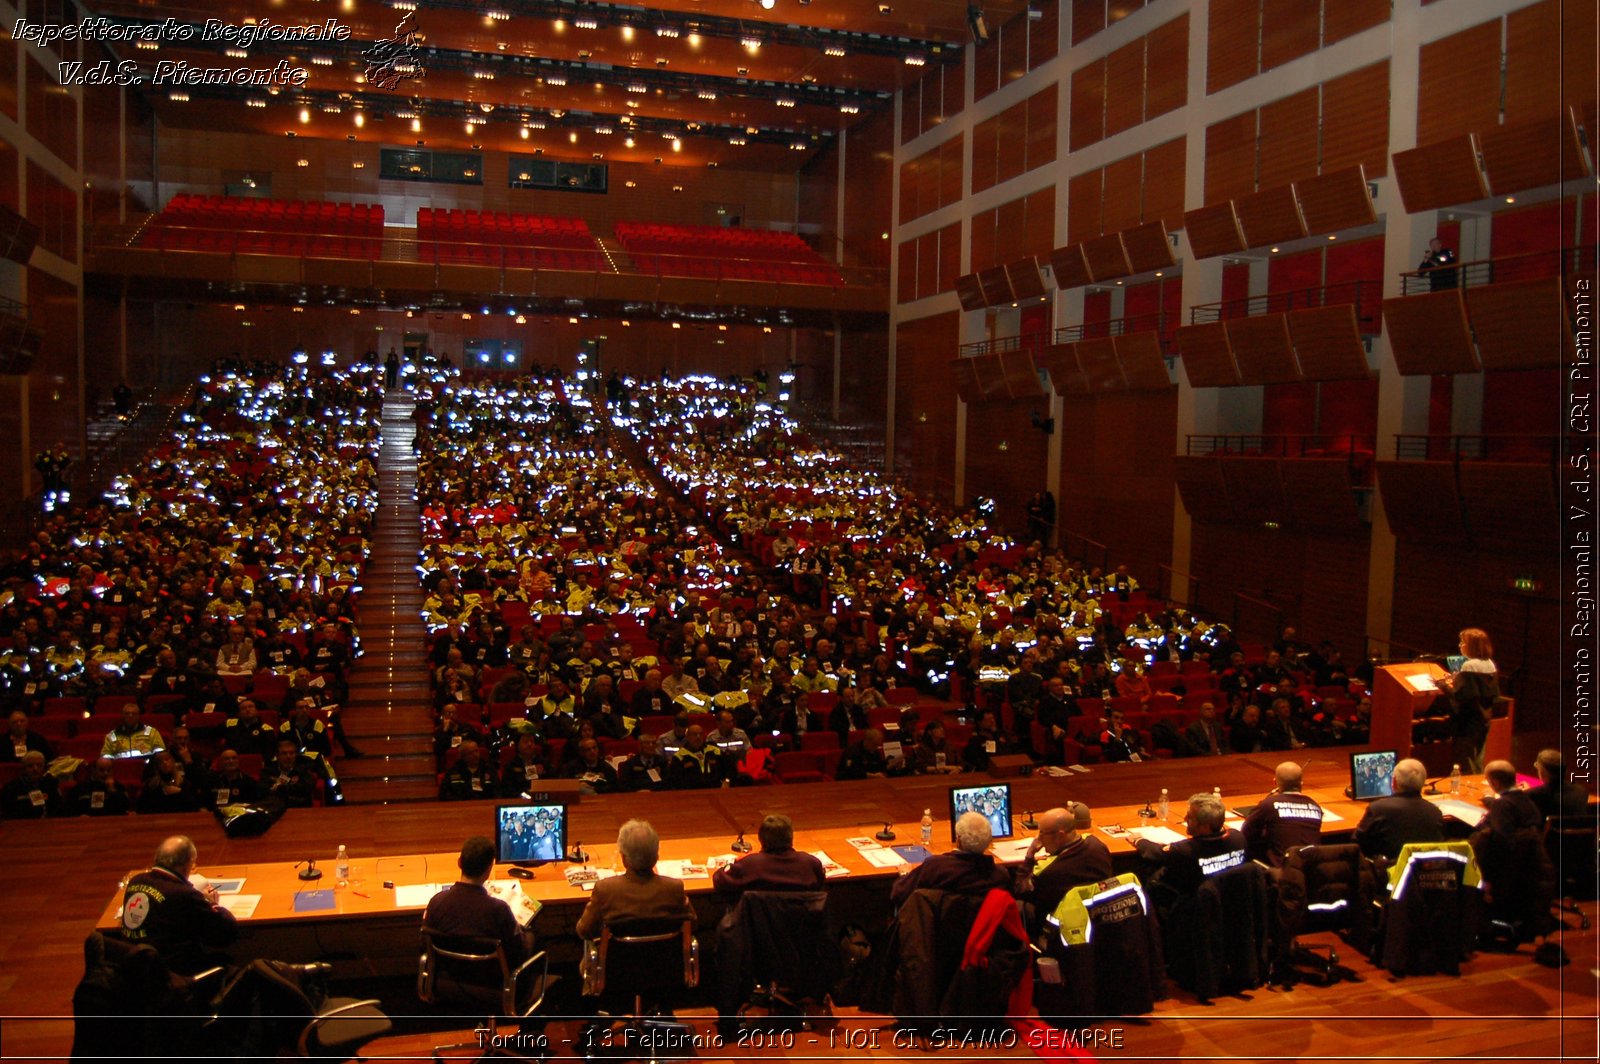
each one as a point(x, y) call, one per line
point(680, 869)
point(1006, 850)
point(1235, 824)
point(242, 906)
point(830, 868)
point(1330, 817)
point(523, 907)
point(416, 895)
point(1158, 834)
point(1421, 681)
point(228, 886)
point(882, 858)
point(864, 842)
point(1466, 812)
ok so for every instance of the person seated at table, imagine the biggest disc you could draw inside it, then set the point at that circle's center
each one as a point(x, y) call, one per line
point(1204, 733)
point(776, 866)
point(988, 740)
point(1405, 816)
point(583, 762)
point(20, 738)
point(34, 794)
point(162, 909)
point(467, 909)
point(932, 755)
point(248, 733)
point(1556, 795)
point(450, 732)
point(1061, 856)
point(102, 795)
point(291, 779)
point(645, 770)
point(968, 869)
point(525, 768)
point(1282, 821)
point(698, 766)
point(1119, 742)
point(1512, 816)
point(866, 760)
point(1180, 867)
point(728, 737)
point(470, 777)
point(168, 788)
point(230, 786)
point(639, 893)
point(132, 737)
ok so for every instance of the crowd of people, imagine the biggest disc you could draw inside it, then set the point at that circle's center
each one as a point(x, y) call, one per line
point(208, 601)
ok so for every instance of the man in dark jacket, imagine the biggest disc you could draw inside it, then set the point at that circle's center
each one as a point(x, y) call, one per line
point(968, 869)
point(1061, 857)
point(1285, 820)
point(162, 909)
point(1406, 816)
point(776, 866)
point(1556, 795)
point(1182, 866)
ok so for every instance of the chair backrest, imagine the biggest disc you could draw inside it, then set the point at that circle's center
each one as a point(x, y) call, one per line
point(466, 966)
point(782, 938)
point(648, 957)
point(1571, 841)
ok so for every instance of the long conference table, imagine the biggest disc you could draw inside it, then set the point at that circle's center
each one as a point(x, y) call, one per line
point(368, 925)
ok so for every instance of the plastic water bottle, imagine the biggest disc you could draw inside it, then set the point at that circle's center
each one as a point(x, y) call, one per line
point(1455, 779)
point(927, 827)
point(341, 866)
point(1164, 806)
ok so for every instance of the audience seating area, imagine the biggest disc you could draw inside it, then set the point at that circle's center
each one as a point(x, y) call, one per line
point(495, 238)
point(718, 251)
point(267, 227)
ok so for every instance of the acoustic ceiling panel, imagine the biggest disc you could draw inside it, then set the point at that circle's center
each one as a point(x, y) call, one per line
point(1201, 488)
point(1262, 349)
point(996, 286)
point(1336, 200)
point(1060, 361)
point(991, 377)
point(1100, 366)
point(1428, 333)
point(1270, 216)
point(966, 376)
point(1143, 367)
point(1027, 280)
point(1107, 258)
point(1213, 230)
point(1532, 154)
point(1070, 268)
point(1319, 495)
point(969, 291)
point(1255, 489)
point(1207, 358)
point(1521, 324)
point(1440, 175)
point(1511, 507)
point(1022, 379)
point(1327, 343)
point(1148, 247)
point(1421, 502)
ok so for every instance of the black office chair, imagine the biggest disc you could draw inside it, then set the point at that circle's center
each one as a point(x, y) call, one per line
point(1433, 910)
point(1219, 938)
point(1322, 888)
point(1572, 842)
point(634, 969)
point(292, 998)
point(775, 959)
point(129, 1004)
point(476, 971)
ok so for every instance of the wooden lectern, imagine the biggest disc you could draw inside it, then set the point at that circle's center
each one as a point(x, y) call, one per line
point(1402, 693)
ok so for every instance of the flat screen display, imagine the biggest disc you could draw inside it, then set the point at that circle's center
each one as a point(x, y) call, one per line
point(993, 800)
point(1372, 774)
point(528, 834)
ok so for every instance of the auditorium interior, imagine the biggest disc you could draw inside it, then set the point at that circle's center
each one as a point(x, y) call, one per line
point(1225, 352)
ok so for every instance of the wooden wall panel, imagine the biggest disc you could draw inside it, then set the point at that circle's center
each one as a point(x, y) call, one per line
point(1289, 30)
point(1346, 18)
point(905, 285)
point(985, 154)
point(1428, 333)
point(1013, 475)
point(1213, 230)
point(1287, 145)
point(985, 73)
point(1163, 183)
point(1421, 502)
point(1520, 324)
point(1039, 222)
point(1010, 231)
point(925, 388)
point(1327, 343)
point(1125, 87)
point(1167, 58)
point(1200, 485)
point(1458, 87)
point(1580, 26)
point(1012, 137)
point(927, 264)
point(1044, 33)
point(982, 255)
point(1013, 49)
point(1269, 216)
point(1262, 349)
point(1355, 120)
point(1230, 157)
point(949, 263)
point(911, 124)
point(1207, 357)
point(1533, 39)
point(1088, 19)
point(1231, 46)
point(1086, 110)
point(1069, 267)
point(1148, 247)
point(1106, 257)
point(1440, 174)
point(1084, 205)
point(1337, 200)
point(954, 89)
point(868, 189)
point(1041, 123)
point(948, 186)
point(1124, 179)
point(1531, 154)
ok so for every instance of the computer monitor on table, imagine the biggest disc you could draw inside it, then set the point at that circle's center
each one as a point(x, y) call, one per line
point(1372, 774)
point(529, 833)
point(993, 800)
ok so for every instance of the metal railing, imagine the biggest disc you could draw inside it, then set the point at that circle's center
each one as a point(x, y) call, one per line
point(1256, 617)
point(1508, 447)
point(403, 245)
point(1478, 272)
point(1370, 645)
point(1169, 580)
point(1159, 322)
point(1365, 296)
point(1085, 550)
point(1298, 445)
point(1030, 342)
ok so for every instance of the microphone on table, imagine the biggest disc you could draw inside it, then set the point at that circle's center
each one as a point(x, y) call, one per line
point(887, 834)
point(1147, 811)
point(1028, 822)
point(310, 873)
point(577, 856)
point(739, 845)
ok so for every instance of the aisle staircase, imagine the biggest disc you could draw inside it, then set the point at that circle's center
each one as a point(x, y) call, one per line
point(388, 715)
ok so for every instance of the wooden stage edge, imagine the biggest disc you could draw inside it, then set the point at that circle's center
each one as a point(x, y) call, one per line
point(58, 877)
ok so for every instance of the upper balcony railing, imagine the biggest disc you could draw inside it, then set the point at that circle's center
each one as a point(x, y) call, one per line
point(1032, 343)
point(1365, 296)
point(1477, 447)
point(1158, 322)
point(1527, 267)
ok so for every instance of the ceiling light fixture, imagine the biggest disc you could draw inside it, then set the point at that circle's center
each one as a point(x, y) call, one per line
point(834, 49)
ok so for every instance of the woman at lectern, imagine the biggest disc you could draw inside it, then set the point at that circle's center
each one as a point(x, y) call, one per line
point(1473, 689)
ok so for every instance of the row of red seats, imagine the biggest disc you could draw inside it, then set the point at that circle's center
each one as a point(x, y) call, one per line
point(234, 224)
point(490, 238)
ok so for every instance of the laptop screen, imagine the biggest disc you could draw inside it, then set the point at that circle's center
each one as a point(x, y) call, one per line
point(1372, 774)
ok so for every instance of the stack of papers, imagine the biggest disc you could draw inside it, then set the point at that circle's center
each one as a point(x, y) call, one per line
point(830, 868)
point(1007, 850)
point(1466, 812)
point(242, 906)
point(880, 857)
point(1158, 834)
point(679, 869)
point(416, 895)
